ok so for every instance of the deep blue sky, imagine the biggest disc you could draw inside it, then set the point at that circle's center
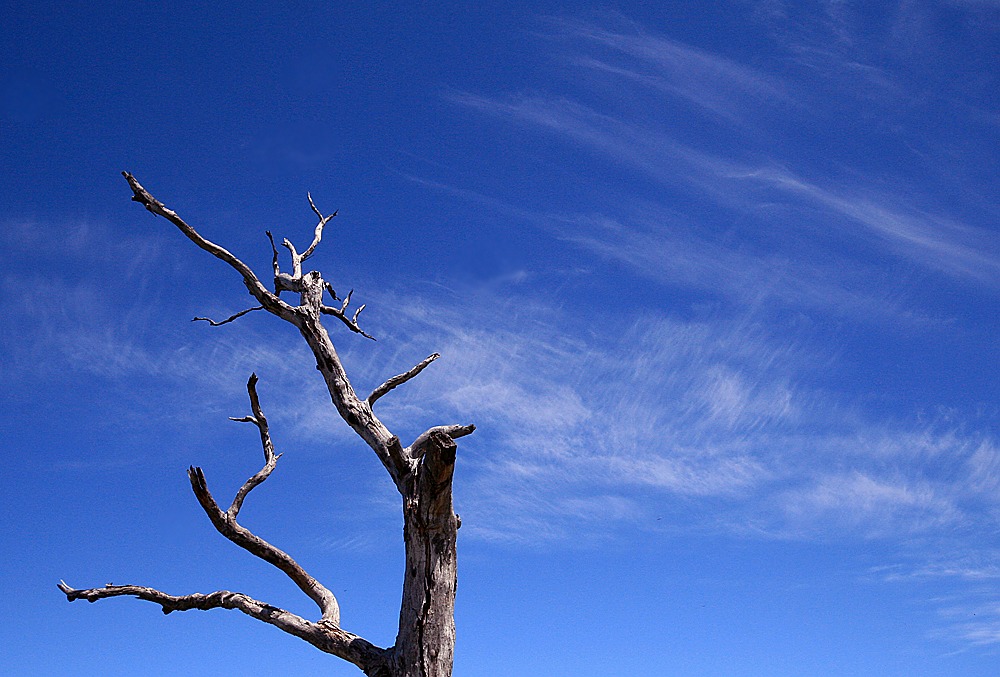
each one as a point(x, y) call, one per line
point(718, 282)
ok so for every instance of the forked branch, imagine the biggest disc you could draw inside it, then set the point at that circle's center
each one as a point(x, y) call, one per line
point(341, 313)
point(255, 545)
point(226, 524)
point(297, 258)
point(270, 460)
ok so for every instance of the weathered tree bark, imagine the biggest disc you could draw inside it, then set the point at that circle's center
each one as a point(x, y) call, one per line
point(422, 473)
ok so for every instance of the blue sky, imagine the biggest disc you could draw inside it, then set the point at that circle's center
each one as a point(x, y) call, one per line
point(717, 282)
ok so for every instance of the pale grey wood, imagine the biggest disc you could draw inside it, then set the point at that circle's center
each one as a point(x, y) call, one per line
point(400, 379)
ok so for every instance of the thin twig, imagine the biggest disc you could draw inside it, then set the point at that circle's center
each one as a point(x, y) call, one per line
point(341, 312)
point(228, 319)
point(352, 324)
point(313, 205)
point(274, 250)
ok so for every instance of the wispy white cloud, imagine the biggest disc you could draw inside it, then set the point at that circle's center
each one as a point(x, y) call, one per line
point(876, 506)
point(720, 410)
point(754, 176)
point(676, 408)
point(934, 241)
point(710, 81)
point(969, 609)
point(663, 245)
point(584, 433)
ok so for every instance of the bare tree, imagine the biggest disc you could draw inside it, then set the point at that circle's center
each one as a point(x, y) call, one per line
point(422, 472)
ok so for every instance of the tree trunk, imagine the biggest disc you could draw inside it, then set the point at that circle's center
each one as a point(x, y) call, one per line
point(425, 644)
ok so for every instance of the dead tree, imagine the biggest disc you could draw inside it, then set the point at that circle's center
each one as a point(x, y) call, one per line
point(421, 471)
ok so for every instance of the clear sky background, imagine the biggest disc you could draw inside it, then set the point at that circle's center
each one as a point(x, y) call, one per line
point(718, 282)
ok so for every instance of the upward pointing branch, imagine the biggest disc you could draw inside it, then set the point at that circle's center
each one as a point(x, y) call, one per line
point(318, 235)
point(270, 459)
point(400, 379)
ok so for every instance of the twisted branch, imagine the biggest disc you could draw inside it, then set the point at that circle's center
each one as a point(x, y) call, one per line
point(323, 636)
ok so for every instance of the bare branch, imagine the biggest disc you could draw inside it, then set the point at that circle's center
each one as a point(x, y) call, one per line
point(227, 525)
point(228, 319)
point(274, 250)
point(418, 448)
point(282, 281)
point(270, 460)
point(296, 259)
point(314, 207)
point(270, 301)
point(318, 235)
point(341, 313)
point(358, 312)
point(400, 379)
point(220, 599)
point(322, 635)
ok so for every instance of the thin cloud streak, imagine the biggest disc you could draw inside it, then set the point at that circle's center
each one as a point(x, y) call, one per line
point(932, 241)
point(710, 81)
point(661, 245)
point(935, 242)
